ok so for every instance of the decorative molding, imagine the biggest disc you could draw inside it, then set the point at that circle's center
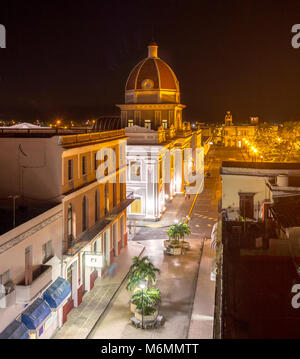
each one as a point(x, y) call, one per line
point(16, 240)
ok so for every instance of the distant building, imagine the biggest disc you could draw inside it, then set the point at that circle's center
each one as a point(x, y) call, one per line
point(247, 186)
point(233, 134)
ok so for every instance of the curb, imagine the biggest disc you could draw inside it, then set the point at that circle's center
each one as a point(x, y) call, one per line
point(112, 298)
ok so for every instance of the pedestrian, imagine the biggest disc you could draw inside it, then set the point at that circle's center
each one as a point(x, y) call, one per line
point(185, 194)
point(111, 270)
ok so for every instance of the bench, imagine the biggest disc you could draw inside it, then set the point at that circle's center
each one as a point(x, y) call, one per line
point(136, 322)
point(159, 320)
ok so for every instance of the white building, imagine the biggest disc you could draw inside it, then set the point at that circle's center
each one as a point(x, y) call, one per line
point(73, 242)
point(248, 186)
point(157, 137)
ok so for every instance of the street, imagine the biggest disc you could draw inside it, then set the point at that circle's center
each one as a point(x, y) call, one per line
point(187, 308)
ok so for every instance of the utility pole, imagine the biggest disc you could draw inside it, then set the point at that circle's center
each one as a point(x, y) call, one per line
point(14, 197)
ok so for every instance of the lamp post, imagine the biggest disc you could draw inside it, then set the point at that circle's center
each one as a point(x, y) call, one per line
point(142, 286)
point(14, 197)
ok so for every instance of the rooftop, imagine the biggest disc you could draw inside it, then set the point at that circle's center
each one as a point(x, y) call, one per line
point(262, 165)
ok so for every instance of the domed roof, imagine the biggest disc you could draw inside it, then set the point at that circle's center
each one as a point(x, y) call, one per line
point(152, 74)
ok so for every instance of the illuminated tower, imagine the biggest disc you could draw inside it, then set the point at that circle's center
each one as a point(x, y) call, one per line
point(152, 95)
point(228, 119)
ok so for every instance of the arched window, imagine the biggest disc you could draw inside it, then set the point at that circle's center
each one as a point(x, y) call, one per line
point(70, 222)
point(84, 213)
point(96, 205)
point(106, 198)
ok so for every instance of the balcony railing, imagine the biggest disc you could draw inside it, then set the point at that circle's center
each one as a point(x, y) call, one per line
point(41, 278)
point(72, 140)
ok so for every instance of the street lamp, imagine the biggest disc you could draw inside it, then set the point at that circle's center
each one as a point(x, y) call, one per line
point(14, 197)
point(142, 286)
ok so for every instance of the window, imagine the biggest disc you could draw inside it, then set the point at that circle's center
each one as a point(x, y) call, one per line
point(70, 222)
point(160, 169)
point(47, 251)
point(246, 205)
point(106, 198)
point(84, 214)
point(137, 117)
point(165, 124)
point(5, 277)
point(84, 162)
point(95, 161)
point(136, 206)
point(122, 154)
point(106, 163)
point(70, 170)
point(6, 285)
point(114, 194)
point(135, 171)
point(28, 265)
point(96, 205)
point(130, 123)
point(148, 124)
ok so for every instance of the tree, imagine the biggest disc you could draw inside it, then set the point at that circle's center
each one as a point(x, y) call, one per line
point(145, 299)
point(142, 270)
point(177, 232)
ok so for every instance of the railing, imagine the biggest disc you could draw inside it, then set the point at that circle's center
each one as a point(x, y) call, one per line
point(41, 278)
point(91, 136)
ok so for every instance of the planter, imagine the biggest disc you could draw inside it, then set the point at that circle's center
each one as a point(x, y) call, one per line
point(166, 243)
point(174, 251)
point(147, 318)
point(186, 245)
point(132, 307)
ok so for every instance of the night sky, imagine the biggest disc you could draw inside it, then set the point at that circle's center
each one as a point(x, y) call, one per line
point(72, 58)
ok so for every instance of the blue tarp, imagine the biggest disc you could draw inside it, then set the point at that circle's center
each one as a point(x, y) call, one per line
point(35, 314)
point(57, 292)
point(16, 330)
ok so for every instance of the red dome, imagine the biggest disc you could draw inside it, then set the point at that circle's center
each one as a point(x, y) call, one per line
point(154, 69)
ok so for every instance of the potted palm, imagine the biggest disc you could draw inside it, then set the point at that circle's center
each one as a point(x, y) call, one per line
point(142, 271)
point(177, 232)
point(145, 301)
point(184, 229)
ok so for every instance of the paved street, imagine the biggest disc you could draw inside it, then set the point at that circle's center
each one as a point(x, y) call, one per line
point(186, 289)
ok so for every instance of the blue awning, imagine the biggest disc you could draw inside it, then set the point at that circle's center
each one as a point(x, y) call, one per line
point(57, 292)
point(35, 314)
point(16, 330)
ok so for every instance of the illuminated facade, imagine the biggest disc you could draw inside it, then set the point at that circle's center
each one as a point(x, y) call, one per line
point(233, 134)
point(84, 230)
point(157, 137)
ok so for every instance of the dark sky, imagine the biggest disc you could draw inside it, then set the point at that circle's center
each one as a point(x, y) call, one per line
point(72, 58)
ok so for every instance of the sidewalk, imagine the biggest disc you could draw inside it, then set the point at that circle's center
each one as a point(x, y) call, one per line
point(172, 212)
point(202, 319)
point(82, 319)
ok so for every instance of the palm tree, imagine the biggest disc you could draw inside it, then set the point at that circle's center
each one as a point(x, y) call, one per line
point(145, 299)
point(142, 270)
point(178, 231)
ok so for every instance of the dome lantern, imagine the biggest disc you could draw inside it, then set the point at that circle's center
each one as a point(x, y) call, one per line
point(152, 49)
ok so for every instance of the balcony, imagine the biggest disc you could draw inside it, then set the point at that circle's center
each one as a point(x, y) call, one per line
point(41, 278)
point(7, 295)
